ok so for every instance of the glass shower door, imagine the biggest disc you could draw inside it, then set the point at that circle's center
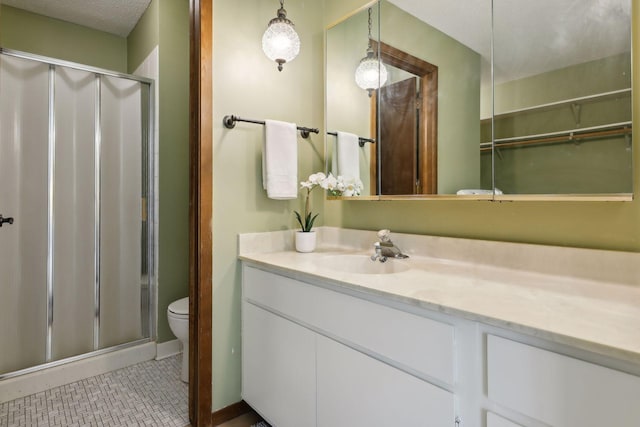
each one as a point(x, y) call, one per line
point(76, 269)
point(74, 213)
point(23, 197)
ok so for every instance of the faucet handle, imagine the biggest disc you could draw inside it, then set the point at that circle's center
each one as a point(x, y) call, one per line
point(383, 235)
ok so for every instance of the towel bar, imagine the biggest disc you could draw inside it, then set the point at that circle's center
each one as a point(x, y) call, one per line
point(230, 122)
point(361, 140)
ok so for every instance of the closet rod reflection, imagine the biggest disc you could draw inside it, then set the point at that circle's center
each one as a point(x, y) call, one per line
point(230, 122)
point(361, 140)
point(604, 131)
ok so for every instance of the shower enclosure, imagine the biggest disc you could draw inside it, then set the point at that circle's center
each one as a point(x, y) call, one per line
point(76, 198)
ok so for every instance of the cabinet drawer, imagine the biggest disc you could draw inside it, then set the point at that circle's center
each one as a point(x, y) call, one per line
point(559, 390)
point(418, 343)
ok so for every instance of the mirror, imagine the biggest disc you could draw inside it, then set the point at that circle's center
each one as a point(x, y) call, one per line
point(562, 72)
point(426, 117)
point(348, 107)
point(562, 117)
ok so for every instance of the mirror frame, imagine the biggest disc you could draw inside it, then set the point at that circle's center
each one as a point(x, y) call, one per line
point(603, 197)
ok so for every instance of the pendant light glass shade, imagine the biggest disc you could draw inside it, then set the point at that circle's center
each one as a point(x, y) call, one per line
point(280, 41)
point(371, 72)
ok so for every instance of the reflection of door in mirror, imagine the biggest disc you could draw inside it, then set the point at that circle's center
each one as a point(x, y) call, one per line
point(399, 131)
point(408, 116)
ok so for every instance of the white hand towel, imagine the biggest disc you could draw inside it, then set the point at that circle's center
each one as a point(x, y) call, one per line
point(280, 160)
point(348, 155)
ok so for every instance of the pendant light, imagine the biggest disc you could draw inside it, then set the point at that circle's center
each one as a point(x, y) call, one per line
point(280, 41)
point(371, 72)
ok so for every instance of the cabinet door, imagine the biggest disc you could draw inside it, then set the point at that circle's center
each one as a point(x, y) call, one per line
point(558, 390)
point(494, 420)
point(357, 390)
point(278, 368)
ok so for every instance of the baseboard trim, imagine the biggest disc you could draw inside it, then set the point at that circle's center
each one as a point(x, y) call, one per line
point(230, 412)
point(168, 349)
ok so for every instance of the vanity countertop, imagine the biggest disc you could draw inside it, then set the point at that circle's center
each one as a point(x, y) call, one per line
point(595, 315)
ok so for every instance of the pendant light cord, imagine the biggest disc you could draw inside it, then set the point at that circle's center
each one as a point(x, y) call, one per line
point(369, 39)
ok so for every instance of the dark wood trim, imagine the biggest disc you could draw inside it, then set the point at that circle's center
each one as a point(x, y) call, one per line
point(230, 412)
point(428, 137)
point(200, 211)
point(403, 60)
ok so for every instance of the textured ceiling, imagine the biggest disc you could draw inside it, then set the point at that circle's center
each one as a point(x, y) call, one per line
point(531, 37)
point(112, 16)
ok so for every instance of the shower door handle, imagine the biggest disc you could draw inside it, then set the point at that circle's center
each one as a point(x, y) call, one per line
point(8, 220)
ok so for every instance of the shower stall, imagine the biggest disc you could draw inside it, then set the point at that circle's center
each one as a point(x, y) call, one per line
point(76, 212)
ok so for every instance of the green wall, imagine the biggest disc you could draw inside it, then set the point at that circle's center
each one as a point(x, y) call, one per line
point(173, 260)
point(144, 37)
point(166, 24)
point(602, 165)
point(248, 84)
point(604, 225)
point(29, 32)
point(587, 78)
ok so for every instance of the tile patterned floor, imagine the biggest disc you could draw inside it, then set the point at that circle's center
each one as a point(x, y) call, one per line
point(147, 394)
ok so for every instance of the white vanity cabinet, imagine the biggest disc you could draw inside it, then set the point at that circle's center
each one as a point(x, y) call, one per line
point(328, 355)
point(315, 357)
point(472, 334)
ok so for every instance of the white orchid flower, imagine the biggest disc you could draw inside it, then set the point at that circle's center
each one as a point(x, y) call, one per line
point(317, 178)
point(329, 183)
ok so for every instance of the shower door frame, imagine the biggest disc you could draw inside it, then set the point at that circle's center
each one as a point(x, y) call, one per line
point(148, 137)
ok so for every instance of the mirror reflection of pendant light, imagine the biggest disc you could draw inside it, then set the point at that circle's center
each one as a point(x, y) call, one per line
point(371, 72)
point(280, 41)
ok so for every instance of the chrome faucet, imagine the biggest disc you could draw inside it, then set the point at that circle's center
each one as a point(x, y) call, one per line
point(385, 248)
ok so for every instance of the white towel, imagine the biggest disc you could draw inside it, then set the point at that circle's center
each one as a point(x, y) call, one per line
point(348, 155)
point(280, 160)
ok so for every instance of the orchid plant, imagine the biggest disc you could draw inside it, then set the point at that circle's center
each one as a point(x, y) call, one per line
point(335, 186)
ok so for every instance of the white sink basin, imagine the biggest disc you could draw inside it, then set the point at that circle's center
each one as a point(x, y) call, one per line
point(362, 264)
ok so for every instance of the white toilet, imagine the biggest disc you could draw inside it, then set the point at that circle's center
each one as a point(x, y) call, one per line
point(178, 315)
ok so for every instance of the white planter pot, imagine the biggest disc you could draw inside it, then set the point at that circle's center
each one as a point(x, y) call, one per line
point(305, 241)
